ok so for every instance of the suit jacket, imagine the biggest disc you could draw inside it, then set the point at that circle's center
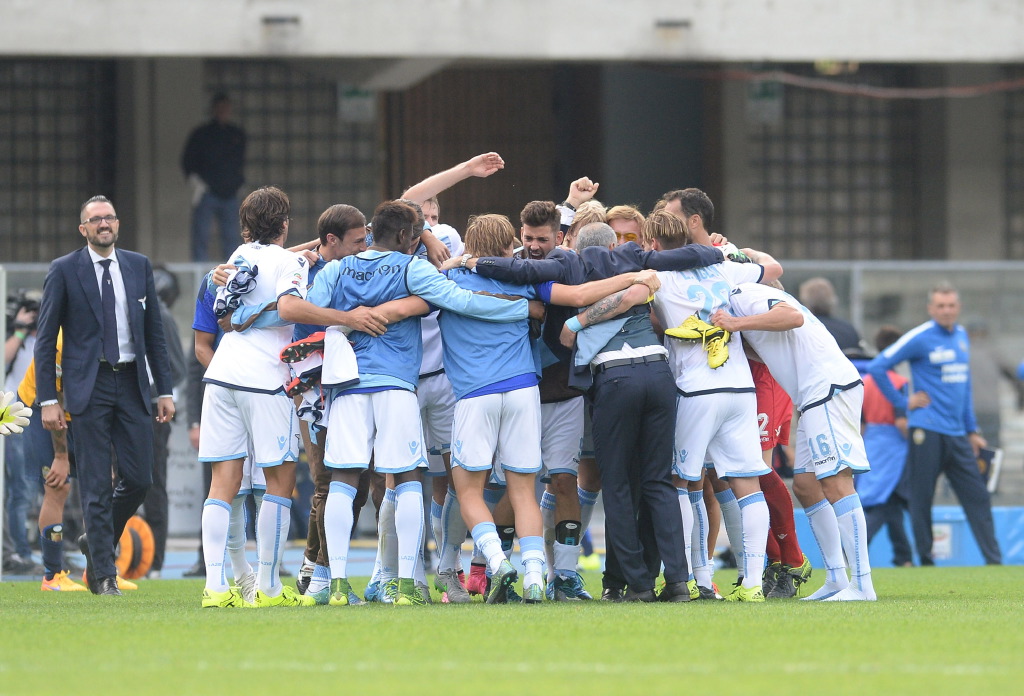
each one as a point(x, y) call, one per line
point(71, 299)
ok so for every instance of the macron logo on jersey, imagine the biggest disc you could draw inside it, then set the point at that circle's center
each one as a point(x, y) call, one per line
point(384, 270)
point(281, 442)
point(682, 456)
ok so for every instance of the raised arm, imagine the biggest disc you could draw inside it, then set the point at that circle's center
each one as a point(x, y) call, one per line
point(772, 268)
point(481, 166)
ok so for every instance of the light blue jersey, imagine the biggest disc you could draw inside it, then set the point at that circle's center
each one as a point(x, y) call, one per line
point(371, 278)
point(478, 355)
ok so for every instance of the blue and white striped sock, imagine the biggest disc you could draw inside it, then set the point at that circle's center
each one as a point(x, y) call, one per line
point(272, 523)
point(338, 519)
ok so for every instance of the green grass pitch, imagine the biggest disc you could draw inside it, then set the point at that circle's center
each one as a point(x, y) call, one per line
point(934, 630)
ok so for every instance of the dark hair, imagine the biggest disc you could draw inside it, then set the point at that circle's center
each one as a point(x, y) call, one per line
point(693, 201)
point(339, 219)
point(390, 219)
point(94, 199)
point(166, 285)
point(886, 336)
point(263, 214)
point(218, 98)
point(541, 214)
point(421, 219)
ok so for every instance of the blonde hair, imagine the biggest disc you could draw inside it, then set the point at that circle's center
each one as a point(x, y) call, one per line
point(627, 212)
point(489, 235)
point(588, 212)
point(667, 228)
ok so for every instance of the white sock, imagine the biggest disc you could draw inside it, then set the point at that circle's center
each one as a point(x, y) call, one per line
point(338, 521)
point(236, 538)
point(409, 526)
point(272, 525)
point(485, 535)
point(532, 550)
point(754, 515)
point(387, 541)
point(822, 518)
point(319, 580)
point(733, 526)
point(686, 510)
point(547, 515)
point(566, 558)
point(588, 500)
point(216, 514)
point(853, 532)
point(453, 533)
point(699, 540)
point(437, 525)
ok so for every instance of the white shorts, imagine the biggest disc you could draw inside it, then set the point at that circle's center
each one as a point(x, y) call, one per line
point(724, 427)
point(828, 436)
point(561, 437)
point(236, 424)
point(498, 427)
point(437, 411)
point(385, 424)
point(253, 478)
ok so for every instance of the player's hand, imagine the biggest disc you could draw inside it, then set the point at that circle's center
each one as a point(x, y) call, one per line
point(60, 469)
point(918, 400)
point(567, 337)
point(164, 409)
point(311, 256)
point(53, 417)
point(14, 415)
point(452, 262)
point(221, 273)
point(486, 164)
point(537, 310)
point(366, 319)
point(718, 239)
point(649, 278)
point(725, 320)
point(977, 442)
point(581, 191)
point(224, 323)
point(437, 251)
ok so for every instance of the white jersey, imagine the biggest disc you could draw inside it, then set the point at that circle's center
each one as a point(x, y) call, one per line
point(251, 360)
point(432, 361)
point(702, 291)
point(806, 361)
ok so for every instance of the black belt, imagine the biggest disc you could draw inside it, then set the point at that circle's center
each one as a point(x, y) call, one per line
point(435, 373)
point(118, 367)
point(621, 362)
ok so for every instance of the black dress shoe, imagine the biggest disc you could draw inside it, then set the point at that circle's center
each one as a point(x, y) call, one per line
point(198, 570)
point(611, 594)
point(107, 586)
point(90, 577)
point(644, 596)
point(675, 592)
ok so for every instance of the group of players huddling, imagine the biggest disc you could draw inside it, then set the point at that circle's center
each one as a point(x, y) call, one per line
point(403, 348)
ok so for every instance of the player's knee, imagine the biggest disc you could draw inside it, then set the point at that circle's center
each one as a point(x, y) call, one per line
point(563, 485)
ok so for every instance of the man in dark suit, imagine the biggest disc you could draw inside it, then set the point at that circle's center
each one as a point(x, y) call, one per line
point(106, 302)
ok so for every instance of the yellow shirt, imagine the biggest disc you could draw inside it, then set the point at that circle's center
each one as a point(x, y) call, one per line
point(27, 388)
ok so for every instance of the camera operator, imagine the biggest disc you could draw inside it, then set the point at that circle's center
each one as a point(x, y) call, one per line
point(25, 455)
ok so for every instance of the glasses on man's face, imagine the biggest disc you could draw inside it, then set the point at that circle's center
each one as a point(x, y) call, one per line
point(626, 237)
point(100, 218)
